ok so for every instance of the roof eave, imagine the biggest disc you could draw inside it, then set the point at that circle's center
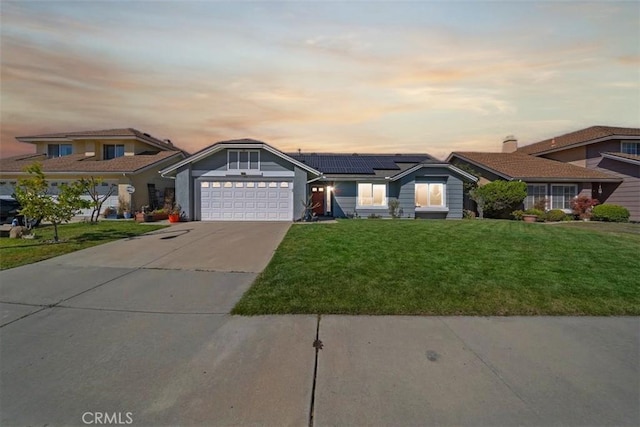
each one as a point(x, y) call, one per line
point(577, 144)
point(565, 179)
point(620, 159)
point(480, 165)
point(433, 165)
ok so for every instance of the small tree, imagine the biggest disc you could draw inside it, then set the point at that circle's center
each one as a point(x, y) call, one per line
point(32, 193)
point(582, 206)
point(97, 200)
point(499, 198)
point(309, 206)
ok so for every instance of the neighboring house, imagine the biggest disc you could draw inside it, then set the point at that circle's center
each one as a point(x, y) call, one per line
point(251, 180)
point(599, 162)
point(121, 157)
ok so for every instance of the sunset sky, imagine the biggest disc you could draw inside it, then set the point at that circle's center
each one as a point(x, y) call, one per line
point(420, 76)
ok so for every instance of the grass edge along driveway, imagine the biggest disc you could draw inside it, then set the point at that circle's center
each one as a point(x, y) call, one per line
point(73, 237)
point(431, 267)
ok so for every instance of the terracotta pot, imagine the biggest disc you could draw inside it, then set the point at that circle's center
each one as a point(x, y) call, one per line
point(529, 218)
point(174, 217)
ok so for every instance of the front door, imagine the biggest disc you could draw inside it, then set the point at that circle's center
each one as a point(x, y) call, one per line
point(317, 199)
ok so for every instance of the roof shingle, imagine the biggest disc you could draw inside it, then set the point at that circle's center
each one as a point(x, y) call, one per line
point(529, 168)
point(125, 132)
point(79, 163)
point(578, 137)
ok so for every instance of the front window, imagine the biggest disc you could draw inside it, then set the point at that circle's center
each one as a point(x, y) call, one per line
point(59, 150)
point(243, 160)
point(536, 194)
point(429, 195)
point(372, 195)
point(630, 148)
point(561, 196)
point(111, 151)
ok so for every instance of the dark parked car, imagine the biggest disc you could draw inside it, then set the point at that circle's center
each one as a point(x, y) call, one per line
point(10, 209)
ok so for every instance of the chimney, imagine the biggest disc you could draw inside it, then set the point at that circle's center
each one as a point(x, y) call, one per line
point(510, 144)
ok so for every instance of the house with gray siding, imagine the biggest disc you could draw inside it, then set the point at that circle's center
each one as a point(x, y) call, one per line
point(614, 151)
point(250, 180)
point(600, 162)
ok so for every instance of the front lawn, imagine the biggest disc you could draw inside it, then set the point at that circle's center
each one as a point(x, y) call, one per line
point(427, 267)
point(73, 237)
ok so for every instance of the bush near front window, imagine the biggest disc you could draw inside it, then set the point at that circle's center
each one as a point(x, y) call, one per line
point(556, 215)
point(498, 199)
point(610, 213)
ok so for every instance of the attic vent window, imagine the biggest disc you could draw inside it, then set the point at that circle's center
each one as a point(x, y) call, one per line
point(243, 160)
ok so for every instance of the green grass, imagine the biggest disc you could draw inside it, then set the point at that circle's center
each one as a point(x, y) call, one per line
point(73, 237)
point(451, 268)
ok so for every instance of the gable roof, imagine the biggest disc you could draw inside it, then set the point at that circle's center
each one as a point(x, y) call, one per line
point(79, 163)
point(520, 166)
point(245, 143)
point(360, 164)
point(126, 133)
point(586, 136)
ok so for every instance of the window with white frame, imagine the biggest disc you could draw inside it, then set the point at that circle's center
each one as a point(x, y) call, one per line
point(429, 195)
point(630, 148)
point(535, 193)
point(372, 195)
point(59, 150)
point(243, 160)
point(561, 195)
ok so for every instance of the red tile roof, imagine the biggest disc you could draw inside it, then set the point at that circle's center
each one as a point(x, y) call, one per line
point(528, 168)
point(79, 163)
point(576, 138)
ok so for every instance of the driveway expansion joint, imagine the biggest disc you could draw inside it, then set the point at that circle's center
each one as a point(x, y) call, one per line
point(318, 345)
point(119, 310)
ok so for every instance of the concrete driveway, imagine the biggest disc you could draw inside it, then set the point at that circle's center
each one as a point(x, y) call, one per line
point(138, 330)
point(140, 326)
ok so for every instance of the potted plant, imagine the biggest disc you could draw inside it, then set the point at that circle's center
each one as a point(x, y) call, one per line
point(175, 213)
point(160, 214)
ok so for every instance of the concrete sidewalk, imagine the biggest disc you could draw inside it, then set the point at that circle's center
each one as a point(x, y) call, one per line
point(537, 371)
point(141, 327)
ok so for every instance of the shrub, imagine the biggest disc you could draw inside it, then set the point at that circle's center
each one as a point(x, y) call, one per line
point(610, 213)
point(499, 198)
point(555, 215)
point(582, 206)
point(467, 214)
point(374, 216)
point(533, 211)
point(394, 206)
point(517, 215)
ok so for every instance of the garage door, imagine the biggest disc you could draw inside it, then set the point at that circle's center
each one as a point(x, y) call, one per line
point(246, 201)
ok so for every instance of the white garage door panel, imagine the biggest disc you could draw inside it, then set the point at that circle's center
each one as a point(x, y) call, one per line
point(246, 201)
